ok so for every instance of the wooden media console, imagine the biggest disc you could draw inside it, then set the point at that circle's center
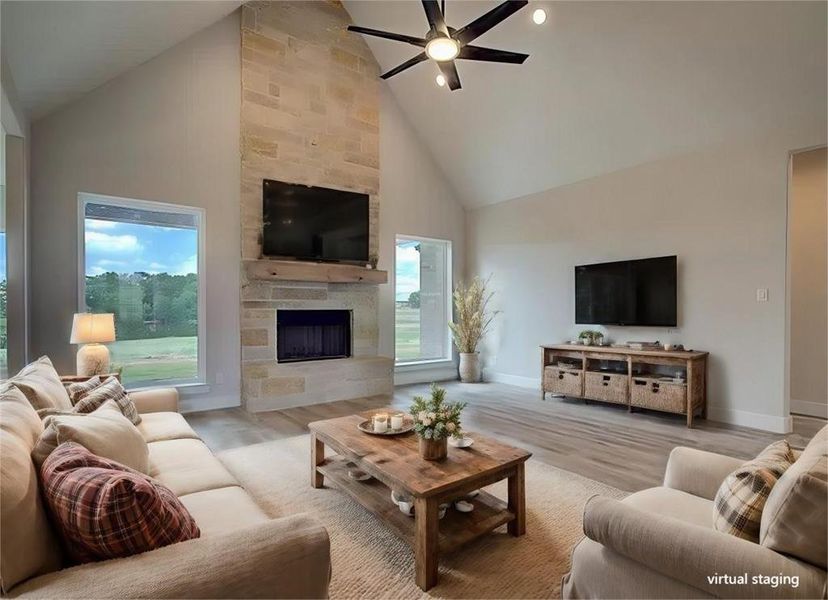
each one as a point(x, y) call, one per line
point(628, 377)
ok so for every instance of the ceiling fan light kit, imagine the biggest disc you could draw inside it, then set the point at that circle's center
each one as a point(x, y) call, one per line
point(442, 48)
point(444, 44)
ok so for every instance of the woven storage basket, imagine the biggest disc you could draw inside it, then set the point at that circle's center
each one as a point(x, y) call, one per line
point(607, 387)
point(568, 382)
point(658, 395)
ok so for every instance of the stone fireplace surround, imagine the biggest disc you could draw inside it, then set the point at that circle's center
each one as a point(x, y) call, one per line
point(309, 114)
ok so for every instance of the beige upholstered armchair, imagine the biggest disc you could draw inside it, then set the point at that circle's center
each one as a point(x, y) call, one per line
point(660, 542)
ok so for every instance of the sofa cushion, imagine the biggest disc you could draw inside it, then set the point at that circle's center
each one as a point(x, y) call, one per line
point(668, 502)
point(79, 389)
point(187, 466)
point(41, 385)
point(105, 432)
point(111, 389)
point(741, 498)
point(160, 426)
point(795, 517)
point(105, 510)
point(223, 510)
point(28, 546)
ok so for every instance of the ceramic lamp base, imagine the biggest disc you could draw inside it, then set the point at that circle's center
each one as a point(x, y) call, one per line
point(93, 359)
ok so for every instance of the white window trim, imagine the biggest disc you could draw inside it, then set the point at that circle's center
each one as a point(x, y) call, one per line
point(85, 198)
point(449, 282)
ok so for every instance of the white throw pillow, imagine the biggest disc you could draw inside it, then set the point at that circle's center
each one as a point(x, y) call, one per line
point(105, 432)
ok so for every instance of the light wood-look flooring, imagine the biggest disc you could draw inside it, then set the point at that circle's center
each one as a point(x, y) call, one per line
point(601, 442)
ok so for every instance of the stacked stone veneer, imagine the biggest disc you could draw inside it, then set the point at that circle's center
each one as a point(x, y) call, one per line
point(309, 114)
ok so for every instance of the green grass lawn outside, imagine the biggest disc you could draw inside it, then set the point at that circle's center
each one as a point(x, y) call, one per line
point(3, 356)
point(159, 358)
point(407, 333)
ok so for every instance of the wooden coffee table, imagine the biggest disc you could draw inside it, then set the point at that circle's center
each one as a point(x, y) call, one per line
point(395, 463)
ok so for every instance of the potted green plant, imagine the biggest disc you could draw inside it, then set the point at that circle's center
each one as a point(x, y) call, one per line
point(585, 337)
point(434, 421)
point(472, 320)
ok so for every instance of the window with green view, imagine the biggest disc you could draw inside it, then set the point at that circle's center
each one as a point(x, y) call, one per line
point(423, 299)
point(141, 262)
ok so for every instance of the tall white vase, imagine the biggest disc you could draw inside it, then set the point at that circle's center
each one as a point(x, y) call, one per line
point(469, 367)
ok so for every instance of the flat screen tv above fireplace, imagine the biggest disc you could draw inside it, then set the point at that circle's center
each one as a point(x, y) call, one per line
point(314, 223)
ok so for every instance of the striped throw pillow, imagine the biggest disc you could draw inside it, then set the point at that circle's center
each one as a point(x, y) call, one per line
point(741, 498)
point(77, 391)
point(105, 510)
point(111, 389)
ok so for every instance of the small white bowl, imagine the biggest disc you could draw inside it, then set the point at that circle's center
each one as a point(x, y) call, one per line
point(464, 506)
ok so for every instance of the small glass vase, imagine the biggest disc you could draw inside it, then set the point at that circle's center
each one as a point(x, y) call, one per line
point(434, 449)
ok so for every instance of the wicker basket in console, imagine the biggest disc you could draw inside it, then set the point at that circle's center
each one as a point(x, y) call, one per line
point(659, 395)
point(560, 380)
point(607, 387)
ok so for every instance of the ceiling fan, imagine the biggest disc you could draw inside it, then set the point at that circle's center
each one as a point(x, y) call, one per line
point(444, 44)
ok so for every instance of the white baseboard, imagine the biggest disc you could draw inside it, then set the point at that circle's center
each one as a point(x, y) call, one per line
point(197, 403)
point(812, 409)
point(754, 420)
point(442, 373)
point(518, 380)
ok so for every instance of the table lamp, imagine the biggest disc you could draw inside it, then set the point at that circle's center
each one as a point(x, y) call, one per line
point(93, 330)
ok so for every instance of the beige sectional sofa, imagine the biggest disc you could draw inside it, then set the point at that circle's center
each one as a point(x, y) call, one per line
point(242, 552)
point(660, 542)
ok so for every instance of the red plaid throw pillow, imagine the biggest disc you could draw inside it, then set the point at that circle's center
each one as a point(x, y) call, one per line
point(106, 510)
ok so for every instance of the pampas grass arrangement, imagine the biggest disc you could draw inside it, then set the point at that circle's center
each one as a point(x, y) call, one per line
point(472, 317)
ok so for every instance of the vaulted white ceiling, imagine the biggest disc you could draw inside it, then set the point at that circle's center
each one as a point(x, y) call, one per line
point(608, 85)
point(58, 51)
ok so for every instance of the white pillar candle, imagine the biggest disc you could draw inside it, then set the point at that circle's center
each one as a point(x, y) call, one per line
point(397, 421)
point(380, 422)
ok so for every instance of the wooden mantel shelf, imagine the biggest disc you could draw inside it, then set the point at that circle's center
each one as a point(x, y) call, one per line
point(298, 270)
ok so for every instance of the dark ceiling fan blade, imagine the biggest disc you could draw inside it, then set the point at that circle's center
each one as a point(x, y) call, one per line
point(397, 37)
point(481, 25)
point(449, 71)
point(435, 16)
point(409, 63)
point(491, 55)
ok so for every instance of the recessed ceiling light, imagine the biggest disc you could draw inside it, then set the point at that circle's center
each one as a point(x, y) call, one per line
point(539, 16)
point(442, 49)
point(441, 80)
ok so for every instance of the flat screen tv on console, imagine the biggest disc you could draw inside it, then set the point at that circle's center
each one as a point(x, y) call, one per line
point(314, 223)
point(628, 292)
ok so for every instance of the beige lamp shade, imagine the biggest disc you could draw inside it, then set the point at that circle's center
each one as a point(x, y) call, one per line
point(88, 328)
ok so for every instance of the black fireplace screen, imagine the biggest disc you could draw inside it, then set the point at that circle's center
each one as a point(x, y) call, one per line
point(312, 334)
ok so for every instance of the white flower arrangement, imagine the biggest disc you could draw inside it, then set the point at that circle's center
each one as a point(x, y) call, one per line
point(434, 418)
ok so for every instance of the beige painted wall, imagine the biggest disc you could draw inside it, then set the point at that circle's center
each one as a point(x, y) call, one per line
point(416, 200)
point(166, 131)
point(808, 248)
point(721, 209)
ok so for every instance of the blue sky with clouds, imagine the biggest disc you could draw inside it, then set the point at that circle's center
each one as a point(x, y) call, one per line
point(130, 247)
point(408, 269)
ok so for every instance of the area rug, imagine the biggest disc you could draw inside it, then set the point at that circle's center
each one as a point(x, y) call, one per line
point(370, 562)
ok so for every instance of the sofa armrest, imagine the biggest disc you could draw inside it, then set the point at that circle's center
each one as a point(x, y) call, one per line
point(698, 472)
point(283, 558)
point(155, 400)
point(694, 554)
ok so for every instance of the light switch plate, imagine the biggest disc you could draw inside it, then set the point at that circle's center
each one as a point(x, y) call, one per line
point(762, 294)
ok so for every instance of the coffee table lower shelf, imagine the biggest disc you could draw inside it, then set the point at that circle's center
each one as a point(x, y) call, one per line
point(455, 529)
